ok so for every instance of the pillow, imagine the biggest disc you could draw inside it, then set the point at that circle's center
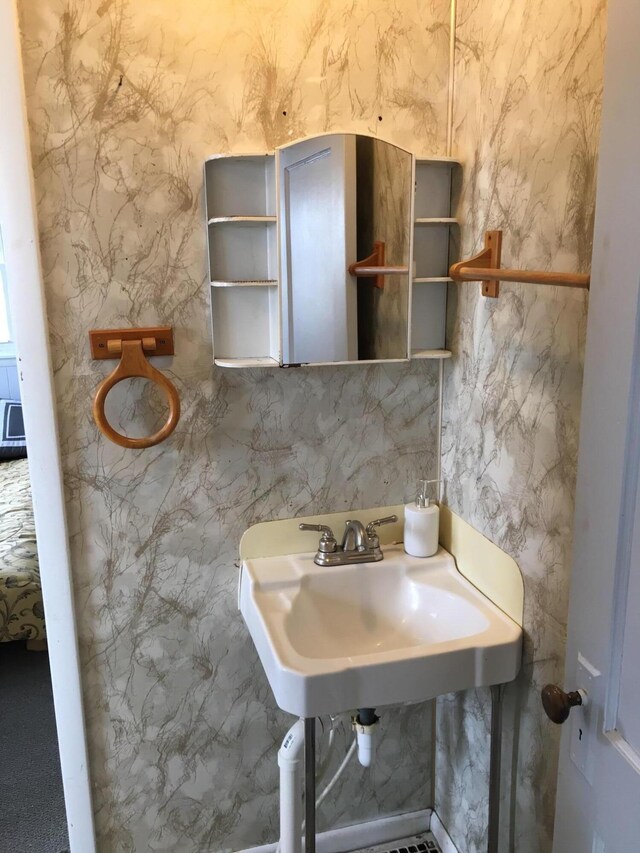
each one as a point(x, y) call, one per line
point(13, 444)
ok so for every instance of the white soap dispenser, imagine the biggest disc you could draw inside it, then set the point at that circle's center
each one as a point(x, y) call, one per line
point(421, 523)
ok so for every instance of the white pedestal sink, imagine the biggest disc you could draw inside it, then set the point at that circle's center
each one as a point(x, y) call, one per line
point(362, 636)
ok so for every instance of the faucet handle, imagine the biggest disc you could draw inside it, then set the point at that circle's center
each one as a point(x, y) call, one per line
point(327, 544)
point(319, 528)
point(371, 527)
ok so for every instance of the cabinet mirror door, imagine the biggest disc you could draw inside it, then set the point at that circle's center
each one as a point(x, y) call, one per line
point(344, 199)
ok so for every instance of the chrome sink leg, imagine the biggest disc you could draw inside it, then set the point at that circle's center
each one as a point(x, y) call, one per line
point(497, 693)
point(310, 784)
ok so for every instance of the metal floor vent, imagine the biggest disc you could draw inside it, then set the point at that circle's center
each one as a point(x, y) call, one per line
point(423, 843)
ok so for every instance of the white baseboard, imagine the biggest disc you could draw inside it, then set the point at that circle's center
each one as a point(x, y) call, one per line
point(366, 834)
point(441, 835)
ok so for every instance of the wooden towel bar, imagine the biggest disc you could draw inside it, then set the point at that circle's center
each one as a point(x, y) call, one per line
point(485, 267)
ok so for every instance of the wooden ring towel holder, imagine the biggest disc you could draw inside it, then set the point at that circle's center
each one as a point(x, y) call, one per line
point(130, 345)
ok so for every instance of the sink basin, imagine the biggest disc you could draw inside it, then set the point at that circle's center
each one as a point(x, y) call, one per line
point(405, 629)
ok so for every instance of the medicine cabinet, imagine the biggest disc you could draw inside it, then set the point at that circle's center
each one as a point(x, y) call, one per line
point(332, 250)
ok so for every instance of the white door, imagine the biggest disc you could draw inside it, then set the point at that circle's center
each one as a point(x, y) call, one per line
point(598, 801)
point(317, 212)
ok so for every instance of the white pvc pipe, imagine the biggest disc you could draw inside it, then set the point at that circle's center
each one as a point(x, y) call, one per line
point(290, 761)
point(366, 745)
point(365, 736)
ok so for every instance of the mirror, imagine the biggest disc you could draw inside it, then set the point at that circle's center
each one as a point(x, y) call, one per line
point(344, 212)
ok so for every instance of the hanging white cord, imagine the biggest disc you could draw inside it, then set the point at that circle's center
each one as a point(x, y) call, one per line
point(326, 761)
point(338, 772)
point(336, 776)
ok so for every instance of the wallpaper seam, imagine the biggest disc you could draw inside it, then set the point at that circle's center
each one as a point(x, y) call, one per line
point(452, 56)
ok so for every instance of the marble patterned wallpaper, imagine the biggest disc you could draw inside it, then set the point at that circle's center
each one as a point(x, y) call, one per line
point(125, 101)
point(528, 84)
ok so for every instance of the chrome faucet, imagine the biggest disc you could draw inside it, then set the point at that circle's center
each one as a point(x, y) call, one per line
point(355, 537)
point(360, 544)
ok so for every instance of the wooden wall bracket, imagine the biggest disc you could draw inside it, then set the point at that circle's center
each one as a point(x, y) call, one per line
point(374, 265)
point(131, 346)
point(107, 343)
point(488, 258)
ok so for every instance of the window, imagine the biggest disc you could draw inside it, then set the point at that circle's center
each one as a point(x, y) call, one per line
point(7, 346)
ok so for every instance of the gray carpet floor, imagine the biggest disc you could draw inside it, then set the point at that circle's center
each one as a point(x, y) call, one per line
point(32, 818)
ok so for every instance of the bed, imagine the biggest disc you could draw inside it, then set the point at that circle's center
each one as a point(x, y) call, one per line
point(21, 608)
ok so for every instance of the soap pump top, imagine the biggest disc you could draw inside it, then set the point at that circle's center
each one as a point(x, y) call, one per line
point(422, 498)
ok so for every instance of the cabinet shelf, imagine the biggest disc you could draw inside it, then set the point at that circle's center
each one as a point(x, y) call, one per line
point(242, 220)
point(430, 353)
point(440, 161)
point(246, 362)
point(268, 282)
point(435, 220)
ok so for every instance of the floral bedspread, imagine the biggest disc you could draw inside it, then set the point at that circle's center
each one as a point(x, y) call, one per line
point(21, 609)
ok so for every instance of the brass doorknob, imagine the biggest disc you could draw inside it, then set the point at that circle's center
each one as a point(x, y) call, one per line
point(557, 704)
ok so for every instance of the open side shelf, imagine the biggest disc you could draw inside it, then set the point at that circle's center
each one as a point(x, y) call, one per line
point(254, 311)
point(431, 353)
point(255, 283)
point(436, 220)
point(433, 204)
point(246, 362)
point(242, 220)
point(241, 253)
point(241, 186)
point(240, 196)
